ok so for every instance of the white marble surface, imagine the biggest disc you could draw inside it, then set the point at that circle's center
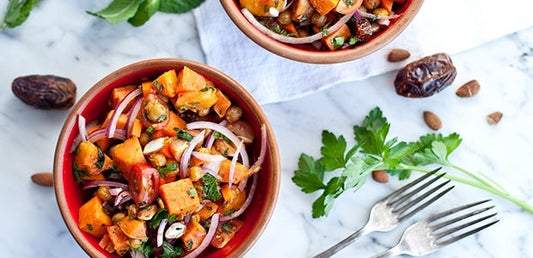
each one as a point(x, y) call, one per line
point(59, 38)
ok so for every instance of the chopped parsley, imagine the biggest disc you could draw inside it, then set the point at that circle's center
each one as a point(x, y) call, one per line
point(211, 189)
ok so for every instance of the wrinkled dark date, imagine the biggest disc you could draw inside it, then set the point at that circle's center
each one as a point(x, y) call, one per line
point(426, 76)
point(45, 91)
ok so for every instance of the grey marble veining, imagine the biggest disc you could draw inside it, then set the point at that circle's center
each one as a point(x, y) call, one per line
point(85, 49)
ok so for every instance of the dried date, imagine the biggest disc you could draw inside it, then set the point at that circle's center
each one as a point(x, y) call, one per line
point(45, 91)
point(426, 76)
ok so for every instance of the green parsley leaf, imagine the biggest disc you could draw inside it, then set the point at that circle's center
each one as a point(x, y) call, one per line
point(170, 251)
point(332, 151)
point(179, 6)
point(118, 10)
point(373, 132)
point(358, 170)
point(17, 12)
point(309, 175)
point(145, 11)
point(168, 168)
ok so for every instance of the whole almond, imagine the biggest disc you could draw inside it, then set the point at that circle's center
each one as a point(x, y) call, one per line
point(432, 120)
point(380, 176)
point(494, 117)
point(397, 55)
point(468, 89)
point(43, 179)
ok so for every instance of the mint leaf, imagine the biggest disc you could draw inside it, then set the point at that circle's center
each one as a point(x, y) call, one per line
point(332, 151)
point(145, 11)
point(118, 10)
point(17, 12)
point(309, 175)
point(179, 6)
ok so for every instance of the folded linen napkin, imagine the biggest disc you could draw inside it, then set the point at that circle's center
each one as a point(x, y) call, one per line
point(440, 26)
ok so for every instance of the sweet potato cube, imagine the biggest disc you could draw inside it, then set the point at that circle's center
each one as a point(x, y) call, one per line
point(180, 197)
point(148, 88)
point(207, 211)
point(174, 122)
point(260, 7)
point(127, 154)
point(90, 160)
point(193, 236)
point(338, 37)
point(118, 94)
point(233, 197)
point(189, 80)
point(167, 83)
point(92, 218)
point(222, 104)
point(239, 173)
point(301, 10)
point(133, 228)
point(106, 244)
point(119, 240)
point(323, 7)
point(225, 232)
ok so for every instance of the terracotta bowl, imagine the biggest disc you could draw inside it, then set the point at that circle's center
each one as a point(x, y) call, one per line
point(307, 53)
point(93, 105)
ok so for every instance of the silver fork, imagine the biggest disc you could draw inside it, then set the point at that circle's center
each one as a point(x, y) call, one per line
point(401, 204)
point(430, 234)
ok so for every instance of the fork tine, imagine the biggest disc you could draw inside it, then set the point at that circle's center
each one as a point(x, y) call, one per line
point(462, 226)
point(454, 210)
point(426, 203)
point(407, 186)
point(463, 235)
point(459, 218)
point(412, 184)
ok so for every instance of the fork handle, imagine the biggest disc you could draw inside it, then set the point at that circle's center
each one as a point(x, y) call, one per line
point(342, 244)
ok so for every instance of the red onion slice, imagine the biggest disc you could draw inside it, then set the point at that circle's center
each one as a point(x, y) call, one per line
point(292, 40)
point(160, 231)
point(133, 114)
point(246, 203)
point(223, 130)
point(262, 151)
point(207, 240)
point(240, 146)
point(82, 127)
point(186, 156)
point(122, 197)
point(92, 184)
point(118, 111)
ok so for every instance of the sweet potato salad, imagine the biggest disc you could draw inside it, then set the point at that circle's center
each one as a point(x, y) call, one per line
point(323, 24)
point(166, 169)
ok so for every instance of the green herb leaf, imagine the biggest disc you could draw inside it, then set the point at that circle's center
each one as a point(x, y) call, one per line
point(179, 6)
point(145, 11)
point(309, 175)
point(358, 170)
point(211, 190)
point(170, 251)
point(332, 151)
point(17, 12)
point(373, 132)
point(118, 10)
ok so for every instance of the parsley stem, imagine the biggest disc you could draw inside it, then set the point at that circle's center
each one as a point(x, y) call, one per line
point(3, 25)
point(479, 183)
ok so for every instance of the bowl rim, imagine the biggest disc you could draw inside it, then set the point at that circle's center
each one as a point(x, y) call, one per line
point(222, 78)
point(320, 57)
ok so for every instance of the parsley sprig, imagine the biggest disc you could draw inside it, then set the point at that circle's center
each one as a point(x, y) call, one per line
point(138, 12)
point(349, 168)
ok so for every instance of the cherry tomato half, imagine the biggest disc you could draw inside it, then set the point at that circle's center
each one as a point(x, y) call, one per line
point(144, 184)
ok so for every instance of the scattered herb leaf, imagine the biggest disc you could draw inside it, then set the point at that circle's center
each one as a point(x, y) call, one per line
point(17, 12)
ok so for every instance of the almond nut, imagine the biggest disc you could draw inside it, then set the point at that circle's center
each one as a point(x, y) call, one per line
point(397, 55)
point(43, 179)
point(468, 89)
point(380, 176)
point(494, 117)
point(432, 120)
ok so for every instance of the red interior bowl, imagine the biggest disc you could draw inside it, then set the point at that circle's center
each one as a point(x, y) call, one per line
point(93, 105)
point(308, 54)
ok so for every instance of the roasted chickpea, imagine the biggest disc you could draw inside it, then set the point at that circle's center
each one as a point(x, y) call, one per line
point(118, 217)
point(318, 20)
point(103, 193)
point(132, 211)
point(381, 12)
point(371, 4)
point(233, 113)
point(157, 159)
point(204, 112)
point(135, 243)
point(155, 111)
point(285, 17)
point(144, 138)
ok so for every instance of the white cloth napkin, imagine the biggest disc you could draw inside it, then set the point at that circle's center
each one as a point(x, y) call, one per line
point(440, 26)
